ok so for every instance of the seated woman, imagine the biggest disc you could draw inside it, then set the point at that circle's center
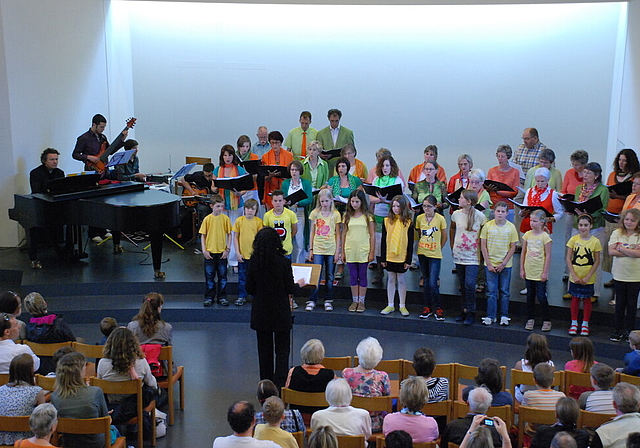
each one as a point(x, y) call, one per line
point(311, 376)
point(479, 435)
point(74, 399)
point(323, 437)
point(19, 396)
point(292, 421)
point(490, 376)
point(122, 361)
point(147, 326)
point(424, 361)
point(43, 423)
point(344, 419)
point(567, 412)
point(365, 381)
point(413, 396)
point(10, 303)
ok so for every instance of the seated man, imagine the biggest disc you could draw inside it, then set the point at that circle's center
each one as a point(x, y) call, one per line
point(613, 434)
point(600, 399)
point(9, 330)
point(131, 169)
point(479, 403)
point(241, 419)
point(202, 181)
point(543, 397)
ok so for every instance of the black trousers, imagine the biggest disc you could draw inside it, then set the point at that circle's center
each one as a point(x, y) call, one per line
point(626, 300)
point(270, 343)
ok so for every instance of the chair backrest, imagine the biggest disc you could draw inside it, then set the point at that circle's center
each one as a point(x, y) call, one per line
point(631, 379)
point(468, 374)
point(295, 397)
point(197, 160)
point(351, 441)
point(504, 412)
point(101, 425)
point(459, 409)
point(391, 366)
point(46, 382)
point(299, 436)
point(533, 415)
point(20, 423)
point(582, 379)
point(46, 349)
point(373, 404)
point(381, 443)
point(337, 363)
point(520, 377)
point(592, 419)
point(88, 350)
point(438, 408)
point(4, 378)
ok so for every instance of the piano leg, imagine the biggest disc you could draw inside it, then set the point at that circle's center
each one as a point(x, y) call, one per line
point(156, 253)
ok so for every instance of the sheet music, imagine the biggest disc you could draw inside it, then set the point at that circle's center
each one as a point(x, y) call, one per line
point(302, 272)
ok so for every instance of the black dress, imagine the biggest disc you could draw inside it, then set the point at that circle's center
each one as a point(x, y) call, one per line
point(271, 317)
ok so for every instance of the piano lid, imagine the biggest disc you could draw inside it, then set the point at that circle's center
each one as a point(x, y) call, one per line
point(98, 190)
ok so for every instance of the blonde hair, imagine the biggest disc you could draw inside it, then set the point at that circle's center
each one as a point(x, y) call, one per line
point(472, 197)
point(325, 193)
point(635, 212)
point(69, 374)
point(34, 304)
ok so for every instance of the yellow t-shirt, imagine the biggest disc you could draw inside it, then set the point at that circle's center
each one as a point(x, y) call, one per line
point(356, 243)
point(246, 230)
point(534, 261)
point(625, 269)
point(583, 257)
point(277, 435)
point(430, 235)
point(499, 239)
point(282, 223)
point(323, 240)
point(216, 229)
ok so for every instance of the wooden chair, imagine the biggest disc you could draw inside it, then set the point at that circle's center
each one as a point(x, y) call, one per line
point(373, 404)
point(166, 354)
point(46, 349)
point(12, 424)
point(631, 379)
point(469, 373)
point(46, 382)
point(441, 370)
point(592, 419)
point(299, 436)
point(88, 350)
point(351, 441)
point(4, 378)
point(533, 415)
point(101, 425)
point(460, 409)
point(381, 443)
point(575, 379)
point(526, 378)
point(297, 398)
point(438, 408)
point(338, 363)
point(131, 387)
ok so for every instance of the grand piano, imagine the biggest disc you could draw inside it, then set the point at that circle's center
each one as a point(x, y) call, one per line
point(78, 200)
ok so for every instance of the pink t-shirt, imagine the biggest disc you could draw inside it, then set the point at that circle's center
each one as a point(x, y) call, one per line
point(421, 428)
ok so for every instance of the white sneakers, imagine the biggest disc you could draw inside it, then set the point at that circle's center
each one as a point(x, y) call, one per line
point(504, 321)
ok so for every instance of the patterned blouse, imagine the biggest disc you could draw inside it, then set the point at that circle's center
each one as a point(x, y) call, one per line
point(14, 402)
point(373, 383)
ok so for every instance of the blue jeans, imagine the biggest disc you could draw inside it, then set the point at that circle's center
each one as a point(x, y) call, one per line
point(243, 267)
point(467, 275)
point(326, 261)
point(212, 267)
point(537, 289)
point(498, 289)
point(430, 268)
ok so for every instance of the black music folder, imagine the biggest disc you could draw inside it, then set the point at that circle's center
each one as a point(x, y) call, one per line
point(589, 206)
point(496, 186)
point(386, 192)
point(251, 166)
point(281, 171)
point(296, 197)
point(331, 152)
point(238, 183)
point(622, 189)
point(532, 208)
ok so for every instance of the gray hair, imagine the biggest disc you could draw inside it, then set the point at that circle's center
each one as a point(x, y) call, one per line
point(480, 400)
point(466, 157)
point(369, 353)
point(547, 154)
point(626, 397)
point(481, 438)
point(312, 352)
point(563, 440)
point(338, 392)
point(581, 156)
point(35, 304)
point(414, 393)
point(42, 420)
point(505, 149)
point(542, 171)
point(477, 174)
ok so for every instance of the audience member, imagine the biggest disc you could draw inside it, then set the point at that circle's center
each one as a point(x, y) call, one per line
point(273, 412)
point(537, 351)
point(398, 439)
point(600, 400)
point(479, 400)
point(74, 399)
point(633, 441)
point(567, 413)
point(147, 326)
point(490, 376)
point(583, 359)
point(43, 423)
point(563, 440)
point(613, 434)
point(344, 419)
point(107, 325)
point(241, 419)
point(413, 396)
point(323, 437)
point(544, 397)
point(424, 361)
point(479, 435)
point(632, 359)
point(10, 303)
point(365, 381)
point(57, 356)
point(10, 330)
point(19, 396)
point(292, 421)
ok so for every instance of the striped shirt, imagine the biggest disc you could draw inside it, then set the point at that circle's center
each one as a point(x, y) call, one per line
point(542, 399)
point(597, 401)
point(438, 389)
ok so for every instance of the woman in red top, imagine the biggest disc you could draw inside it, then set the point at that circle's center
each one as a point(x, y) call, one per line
point(276, 156)
point(541, 195)
point(461, 179)
point(506, 174)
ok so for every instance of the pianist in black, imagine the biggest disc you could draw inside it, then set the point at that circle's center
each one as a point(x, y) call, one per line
point(87, 149)
point(38, 179)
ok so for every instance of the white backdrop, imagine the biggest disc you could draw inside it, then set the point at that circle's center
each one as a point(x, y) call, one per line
point(465, 78)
